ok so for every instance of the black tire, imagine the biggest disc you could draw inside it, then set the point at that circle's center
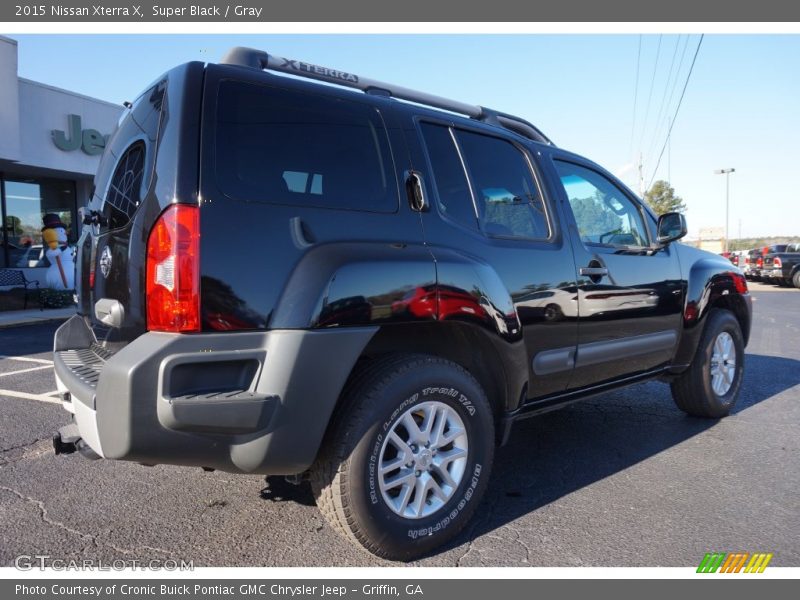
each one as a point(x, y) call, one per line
point(345, 476)
point(796, 279)
point(553, 312)
point(692, 390)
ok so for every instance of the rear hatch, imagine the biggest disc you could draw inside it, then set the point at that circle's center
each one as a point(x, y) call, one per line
point(139, 175)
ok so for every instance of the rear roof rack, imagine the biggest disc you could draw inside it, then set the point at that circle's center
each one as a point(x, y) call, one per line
point(258, 59)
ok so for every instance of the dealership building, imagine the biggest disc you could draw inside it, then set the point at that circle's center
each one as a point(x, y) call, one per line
point(50, 145)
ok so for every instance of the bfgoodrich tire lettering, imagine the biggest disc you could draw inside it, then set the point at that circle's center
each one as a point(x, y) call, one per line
point(718, 363)
point(346, 479)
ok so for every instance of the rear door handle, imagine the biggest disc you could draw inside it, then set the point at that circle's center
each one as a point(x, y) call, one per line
point(594, 271)
point(416, 192)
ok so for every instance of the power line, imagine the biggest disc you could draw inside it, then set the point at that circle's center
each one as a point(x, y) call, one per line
point(677, 108)
point(660, 113)
point(635, 93)
point(650, 95)
point(666, 119)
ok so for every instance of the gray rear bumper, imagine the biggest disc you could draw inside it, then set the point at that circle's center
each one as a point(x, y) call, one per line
point(254, 402)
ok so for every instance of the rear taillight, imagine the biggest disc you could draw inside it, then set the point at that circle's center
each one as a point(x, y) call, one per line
point(739, 282)
point(777, 263)
point(173, 270)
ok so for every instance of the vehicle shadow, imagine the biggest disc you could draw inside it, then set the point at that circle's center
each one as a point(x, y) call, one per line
point(555, 454)
point(278, 489)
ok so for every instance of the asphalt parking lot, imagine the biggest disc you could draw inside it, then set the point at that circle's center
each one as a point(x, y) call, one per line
point(622, 480)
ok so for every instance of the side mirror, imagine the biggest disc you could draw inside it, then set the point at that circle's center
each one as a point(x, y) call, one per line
point(671, 227)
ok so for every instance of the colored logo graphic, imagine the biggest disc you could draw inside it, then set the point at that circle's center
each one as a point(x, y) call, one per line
point(734, 562)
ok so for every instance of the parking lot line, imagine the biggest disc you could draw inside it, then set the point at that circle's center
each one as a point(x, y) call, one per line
point(28, 359)
point(26, 396)
point(26, 370)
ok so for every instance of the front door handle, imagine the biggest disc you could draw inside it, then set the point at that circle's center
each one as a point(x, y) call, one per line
point(594, 271)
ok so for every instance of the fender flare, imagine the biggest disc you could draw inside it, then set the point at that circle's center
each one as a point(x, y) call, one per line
point(710, 284)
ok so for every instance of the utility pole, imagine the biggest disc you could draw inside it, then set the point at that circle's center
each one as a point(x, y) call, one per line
point(641, 177)
point(727, 173)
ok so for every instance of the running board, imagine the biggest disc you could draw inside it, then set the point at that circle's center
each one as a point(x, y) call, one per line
point(541, 406)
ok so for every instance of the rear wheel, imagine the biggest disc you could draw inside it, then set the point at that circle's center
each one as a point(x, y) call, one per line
point(710, 386)
point(408, 456)
point(796, 279)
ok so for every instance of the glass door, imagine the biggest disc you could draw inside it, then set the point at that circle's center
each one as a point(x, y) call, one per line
point(26, 201)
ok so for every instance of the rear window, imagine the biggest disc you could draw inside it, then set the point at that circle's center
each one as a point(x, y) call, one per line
point(125, 188)
point(288, 147)
point(508, 199)
point(139, 127)
point(500, 196)
point(455, 201)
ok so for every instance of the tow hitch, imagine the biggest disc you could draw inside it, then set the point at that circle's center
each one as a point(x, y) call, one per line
point(68, 440)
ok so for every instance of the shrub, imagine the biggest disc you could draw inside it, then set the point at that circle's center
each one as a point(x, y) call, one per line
point(50, 298)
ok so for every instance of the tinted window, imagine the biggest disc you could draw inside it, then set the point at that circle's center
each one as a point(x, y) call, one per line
point(455, 201)
point(125, 188)
point(507, 197)
point(288, 147)
point(126, 167)
point(604, 213)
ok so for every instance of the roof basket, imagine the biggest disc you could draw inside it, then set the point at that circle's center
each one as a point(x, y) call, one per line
point(258, 59)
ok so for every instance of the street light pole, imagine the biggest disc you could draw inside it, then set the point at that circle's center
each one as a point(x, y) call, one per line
point(727, 173)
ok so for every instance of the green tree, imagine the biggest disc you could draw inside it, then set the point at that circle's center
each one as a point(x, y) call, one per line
point(13, 225)
point(662, 199)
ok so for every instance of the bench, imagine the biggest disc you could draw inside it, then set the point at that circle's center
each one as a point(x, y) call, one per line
point(16, 278)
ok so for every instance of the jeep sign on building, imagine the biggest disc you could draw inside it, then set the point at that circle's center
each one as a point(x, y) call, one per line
point(50, 146)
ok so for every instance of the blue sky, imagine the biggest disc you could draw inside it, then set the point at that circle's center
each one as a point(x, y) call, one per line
point(741, 108)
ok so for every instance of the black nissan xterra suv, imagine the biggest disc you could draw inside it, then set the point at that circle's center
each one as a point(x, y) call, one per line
point(368, 289)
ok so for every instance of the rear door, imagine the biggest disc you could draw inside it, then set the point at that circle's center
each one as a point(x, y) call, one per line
point(488, 203)
point(630, 295)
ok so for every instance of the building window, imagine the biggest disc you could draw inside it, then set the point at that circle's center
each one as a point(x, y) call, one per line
point(25, 202)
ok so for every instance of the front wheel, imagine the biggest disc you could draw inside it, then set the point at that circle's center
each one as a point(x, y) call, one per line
point(710, 386)
point(408, 456)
